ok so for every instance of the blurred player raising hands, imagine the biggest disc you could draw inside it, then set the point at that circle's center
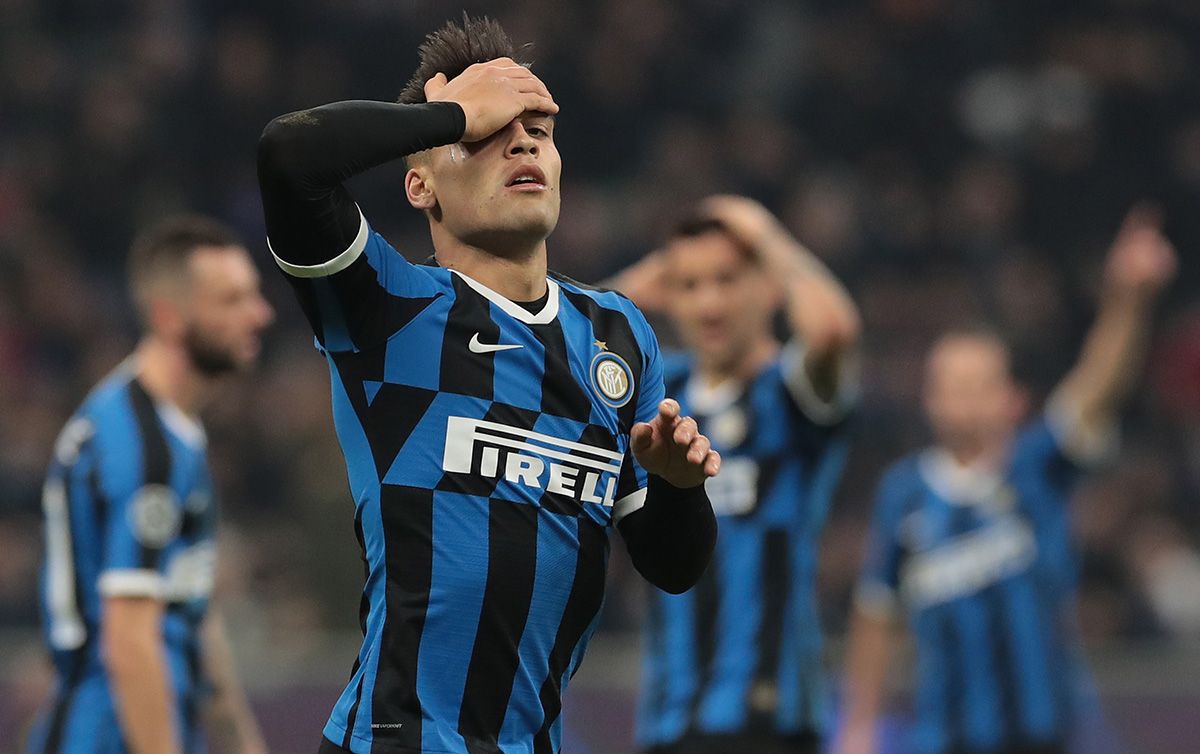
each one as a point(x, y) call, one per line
point(970, 539)
point(735, 664)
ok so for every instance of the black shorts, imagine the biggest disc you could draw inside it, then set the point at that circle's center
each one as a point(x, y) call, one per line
point(801, 743)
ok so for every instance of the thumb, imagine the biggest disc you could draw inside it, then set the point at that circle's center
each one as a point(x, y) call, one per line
point(435, 85)
point(641, 437)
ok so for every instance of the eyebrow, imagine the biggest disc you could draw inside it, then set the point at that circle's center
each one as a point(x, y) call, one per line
point(538, 114)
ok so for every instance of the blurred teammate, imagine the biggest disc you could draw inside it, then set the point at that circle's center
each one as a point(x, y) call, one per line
point(735, 665)
point(496, 419)
point(970, 539)
point(131, 515)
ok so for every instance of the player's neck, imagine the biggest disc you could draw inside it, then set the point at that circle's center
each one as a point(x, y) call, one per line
point(167, 374)
point(743, 365)
point(989, 454)
point(518, 274)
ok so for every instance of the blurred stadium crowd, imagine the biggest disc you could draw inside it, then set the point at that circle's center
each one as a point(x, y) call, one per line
point(952, 160)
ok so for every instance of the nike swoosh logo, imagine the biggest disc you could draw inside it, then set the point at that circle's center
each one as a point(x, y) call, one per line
point(477, 347)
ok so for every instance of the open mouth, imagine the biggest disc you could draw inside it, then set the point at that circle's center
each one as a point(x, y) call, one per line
point(527, 178)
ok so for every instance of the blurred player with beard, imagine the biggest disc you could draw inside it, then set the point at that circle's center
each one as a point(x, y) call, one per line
point(970, 538)
point(735, 665)
point(131, 515)
point(497, 420)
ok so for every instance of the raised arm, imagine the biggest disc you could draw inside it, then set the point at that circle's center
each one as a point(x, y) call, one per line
point(1140, 264)
point(304, 157)
point(820, 311)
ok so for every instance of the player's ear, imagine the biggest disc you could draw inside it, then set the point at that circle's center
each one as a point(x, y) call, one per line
point(419, 188)
point(164, 317)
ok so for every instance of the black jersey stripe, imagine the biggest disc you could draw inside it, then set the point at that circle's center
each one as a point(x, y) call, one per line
point(57, 724)
point(773, 583)
point(407, 517)
point(562, 394)
point(512, 562)
point(463, 371)
point(613, 328)
point(156, 455)
point(587, 594)
point(706, 610)
point(1003, 662)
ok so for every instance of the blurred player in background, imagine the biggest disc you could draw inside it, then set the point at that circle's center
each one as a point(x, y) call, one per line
point(131, 515)
point(735, 664)
point(970, 539)
point(496, 420)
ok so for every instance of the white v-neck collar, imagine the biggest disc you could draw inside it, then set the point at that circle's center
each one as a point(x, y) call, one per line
point(514, 310)
point(709, 400)
point(969, 484)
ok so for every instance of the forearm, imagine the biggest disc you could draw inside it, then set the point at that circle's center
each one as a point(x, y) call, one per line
point(304, 157)
point(671, 538)
point(230, 719)
point(867, 656)
point(137, 670)
point(1111, 358)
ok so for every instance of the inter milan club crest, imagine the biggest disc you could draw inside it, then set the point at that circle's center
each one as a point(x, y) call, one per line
point(612, 379)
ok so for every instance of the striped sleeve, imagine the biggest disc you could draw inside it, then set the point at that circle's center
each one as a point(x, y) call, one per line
point(143, 512)
point(631, 489)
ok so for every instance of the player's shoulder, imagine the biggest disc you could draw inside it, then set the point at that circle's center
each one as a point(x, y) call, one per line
point(108, 400)
point(606, 299)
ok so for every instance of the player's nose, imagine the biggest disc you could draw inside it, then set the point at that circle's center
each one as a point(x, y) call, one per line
point(521, 142)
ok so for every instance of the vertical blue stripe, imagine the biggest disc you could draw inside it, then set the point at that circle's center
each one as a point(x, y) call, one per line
point(981, 722)
point(679, 666)
point(364, 486)
point(1033, 664)
point(557, 547)
point(517, 373)
point(739, 547)
point(457, 585)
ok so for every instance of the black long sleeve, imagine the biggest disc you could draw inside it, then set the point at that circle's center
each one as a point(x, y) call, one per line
point(671, 538)
point(304, 157)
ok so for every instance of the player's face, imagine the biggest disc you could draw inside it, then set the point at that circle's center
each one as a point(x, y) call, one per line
point(970, 395)
point(226, 311)
point(720, 300)
point(501, 193)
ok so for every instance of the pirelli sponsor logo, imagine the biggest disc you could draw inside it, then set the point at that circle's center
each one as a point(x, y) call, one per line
point(531, 459)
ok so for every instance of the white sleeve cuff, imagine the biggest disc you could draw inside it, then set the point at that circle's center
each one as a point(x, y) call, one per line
point(333, 266)
point(628, 504)
point(1087, 444)
point(876, 600)
point(133, 582)
point(799, 385)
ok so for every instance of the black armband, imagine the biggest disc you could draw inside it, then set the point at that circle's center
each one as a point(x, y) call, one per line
point(671, 537)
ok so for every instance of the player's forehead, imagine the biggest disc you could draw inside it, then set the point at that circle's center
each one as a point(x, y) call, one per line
point(705, 251)
point(974, 354)
point(221, 266)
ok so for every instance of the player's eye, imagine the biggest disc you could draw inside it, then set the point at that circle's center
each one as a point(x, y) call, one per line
point(536, 131)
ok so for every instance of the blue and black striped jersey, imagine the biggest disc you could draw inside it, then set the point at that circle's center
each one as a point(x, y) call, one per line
point(981, 562)
point(129, 512)
point(487, 448)
point(741, 652)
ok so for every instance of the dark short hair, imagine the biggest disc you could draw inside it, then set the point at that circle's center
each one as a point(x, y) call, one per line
point(163, 249)
point(455, 47)
point(694, 225)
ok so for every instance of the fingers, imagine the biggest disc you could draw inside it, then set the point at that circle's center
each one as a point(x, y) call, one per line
point(434, 85)
point(685, 431)
point(536, 103)
point(698, 449)
point(668, 409)
point(712, 463)
point(641, 437)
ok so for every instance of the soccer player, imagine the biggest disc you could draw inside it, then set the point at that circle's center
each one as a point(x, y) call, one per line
point(735, 664)
point(131, 514)
point(496, 419)
point(970, 538)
